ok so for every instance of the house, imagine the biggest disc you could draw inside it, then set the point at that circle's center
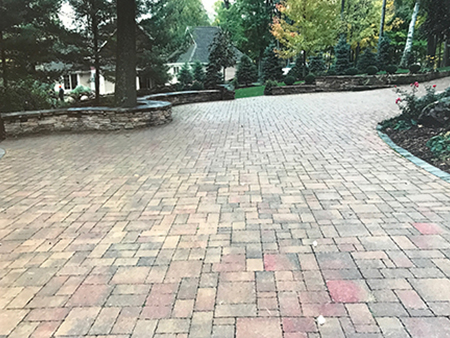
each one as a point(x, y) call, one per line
point(201, 38)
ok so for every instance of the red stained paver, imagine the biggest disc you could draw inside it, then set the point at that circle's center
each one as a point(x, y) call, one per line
point(349, 291)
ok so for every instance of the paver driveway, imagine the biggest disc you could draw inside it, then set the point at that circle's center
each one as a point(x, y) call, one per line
point(240, 219)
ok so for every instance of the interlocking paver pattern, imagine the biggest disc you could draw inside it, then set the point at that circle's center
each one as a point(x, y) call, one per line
point(247, 218)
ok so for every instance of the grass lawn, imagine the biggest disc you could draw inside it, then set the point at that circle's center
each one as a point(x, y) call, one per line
point(249, 92)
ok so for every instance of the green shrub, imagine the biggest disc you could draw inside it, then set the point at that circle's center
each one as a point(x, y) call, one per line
point(317, 64)
point(289, 80)
point(297, 70)
point(415, 68)
point(198, 72)
point(197, 86)
point(391, 69)
point(331, 72)
point(246, 72)
point(28, 95)
point(310, 79)
point(440, 145)
point(372, 70)
point(411, 105)
point(272, 68)
point(352, 71)
point(342, 52)
point(269, 85)
point(185, 75)
point(383, 52)
point(80, 91)
point(366, 59)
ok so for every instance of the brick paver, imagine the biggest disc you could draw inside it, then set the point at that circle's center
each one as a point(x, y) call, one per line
point(247, 218)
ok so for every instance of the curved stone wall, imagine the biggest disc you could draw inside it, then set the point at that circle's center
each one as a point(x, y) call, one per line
point(177, 98)
point(148, 113)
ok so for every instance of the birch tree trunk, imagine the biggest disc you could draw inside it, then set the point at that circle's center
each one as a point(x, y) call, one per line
point(125, 91)
point(409, 39)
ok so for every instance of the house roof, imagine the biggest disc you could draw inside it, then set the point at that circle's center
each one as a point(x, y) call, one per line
point(199, 48)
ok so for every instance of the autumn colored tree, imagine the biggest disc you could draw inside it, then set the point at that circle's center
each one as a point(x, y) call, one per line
point(306, 26)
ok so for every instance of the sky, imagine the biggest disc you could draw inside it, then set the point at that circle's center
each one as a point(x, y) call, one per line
point(209, 6)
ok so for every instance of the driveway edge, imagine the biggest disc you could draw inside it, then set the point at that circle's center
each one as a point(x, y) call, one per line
point(2, 152)
point(417, 161)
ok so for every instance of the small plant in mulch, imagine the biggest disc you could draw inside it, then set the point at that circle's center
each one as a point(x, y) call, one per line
point(440, 145)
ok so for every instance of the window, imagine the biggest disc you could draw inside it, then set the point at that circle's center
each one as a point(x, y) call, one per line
point(176, 70)
point(70, 81)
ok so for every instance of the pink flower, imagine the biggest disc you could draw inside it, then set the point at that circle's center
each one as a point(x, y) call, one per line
point(398, 100)
point(416, 84)
point(434, 86)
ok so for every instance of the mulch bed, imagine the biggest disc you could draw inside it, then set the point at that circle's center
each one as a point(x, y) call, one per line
point(415, 140)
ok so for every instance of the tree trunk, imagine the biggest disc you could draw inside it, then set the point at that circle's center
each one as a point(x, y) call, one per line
point(409, 39)
point(3, 57)
point(383, 16)
point(125, 91)
point(446, 53)
point(96, 53)
point(304, 63)
point(431, 45)
point(342, 9)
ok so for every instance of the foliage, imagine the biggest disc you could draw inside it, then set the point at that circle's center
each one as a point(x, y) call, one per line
point(246, 72)
point(391, 69)
point(367, 59)
point(271, 65)
point(317, 64)
point(352, 71)
point(331, 72)
point(170, 18)
point(80, 91)
point(305, 25)
point(342, 52)
point(412, 106)
point(198, 72)
point(152, 65)
point(31, 35)
point(310, 79)
point(269, 85)
point(372, 70)
point(28, 94)
point(415, 68)
point(362, 20)
point(222, 50)
point(383, 52)
point(289, 80)
point(248, 23)
point(440, 145)
point(299, 69)
point(437, 23)
point(197, 86)
point(213, 76)
point(185, 75)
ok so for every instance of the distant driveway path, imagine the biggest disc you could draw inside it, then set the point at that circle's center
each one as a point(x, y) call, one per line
point(244, 219)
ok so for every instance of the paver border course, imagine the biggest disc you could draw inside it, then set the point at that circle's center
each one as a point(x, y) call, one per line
point(417, 161)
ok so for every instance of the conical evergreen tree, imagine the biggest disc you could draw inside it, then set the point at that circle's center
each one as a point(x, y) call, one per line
point(247, 72)
point(198, 72)
point(317, 64)
point(342, 52)
point(367, 59)
point(383, 53)
point(271, 65)
point(185, 76)
point(297, 71)
point(213, 76)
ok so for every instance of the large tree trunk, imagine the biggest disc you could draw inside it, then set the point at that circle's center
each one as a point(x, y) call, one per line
point(125, 91)
point(446, 53)
point(96, 53)
point(431, 45)
point(409, 39)
point(383, 16)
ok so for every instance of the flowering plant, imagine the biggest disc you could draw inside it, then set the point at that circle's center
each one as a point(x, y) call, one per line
point(410, 104)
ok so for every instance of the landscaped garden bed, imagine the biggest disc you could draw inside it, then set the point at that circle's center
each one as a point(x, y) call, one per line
point(423, 127)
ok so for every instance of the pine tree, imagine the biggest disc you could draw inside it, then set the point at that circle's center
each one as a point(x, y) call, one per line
point(383, 52)
point(213, 77)
point(297, 71)
point(342, 52)
point(185, 76)
point(221, 51)
point(271, 65)
point(317, 64)
point(247, 72)
point(198, 72)
point(367, 59)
